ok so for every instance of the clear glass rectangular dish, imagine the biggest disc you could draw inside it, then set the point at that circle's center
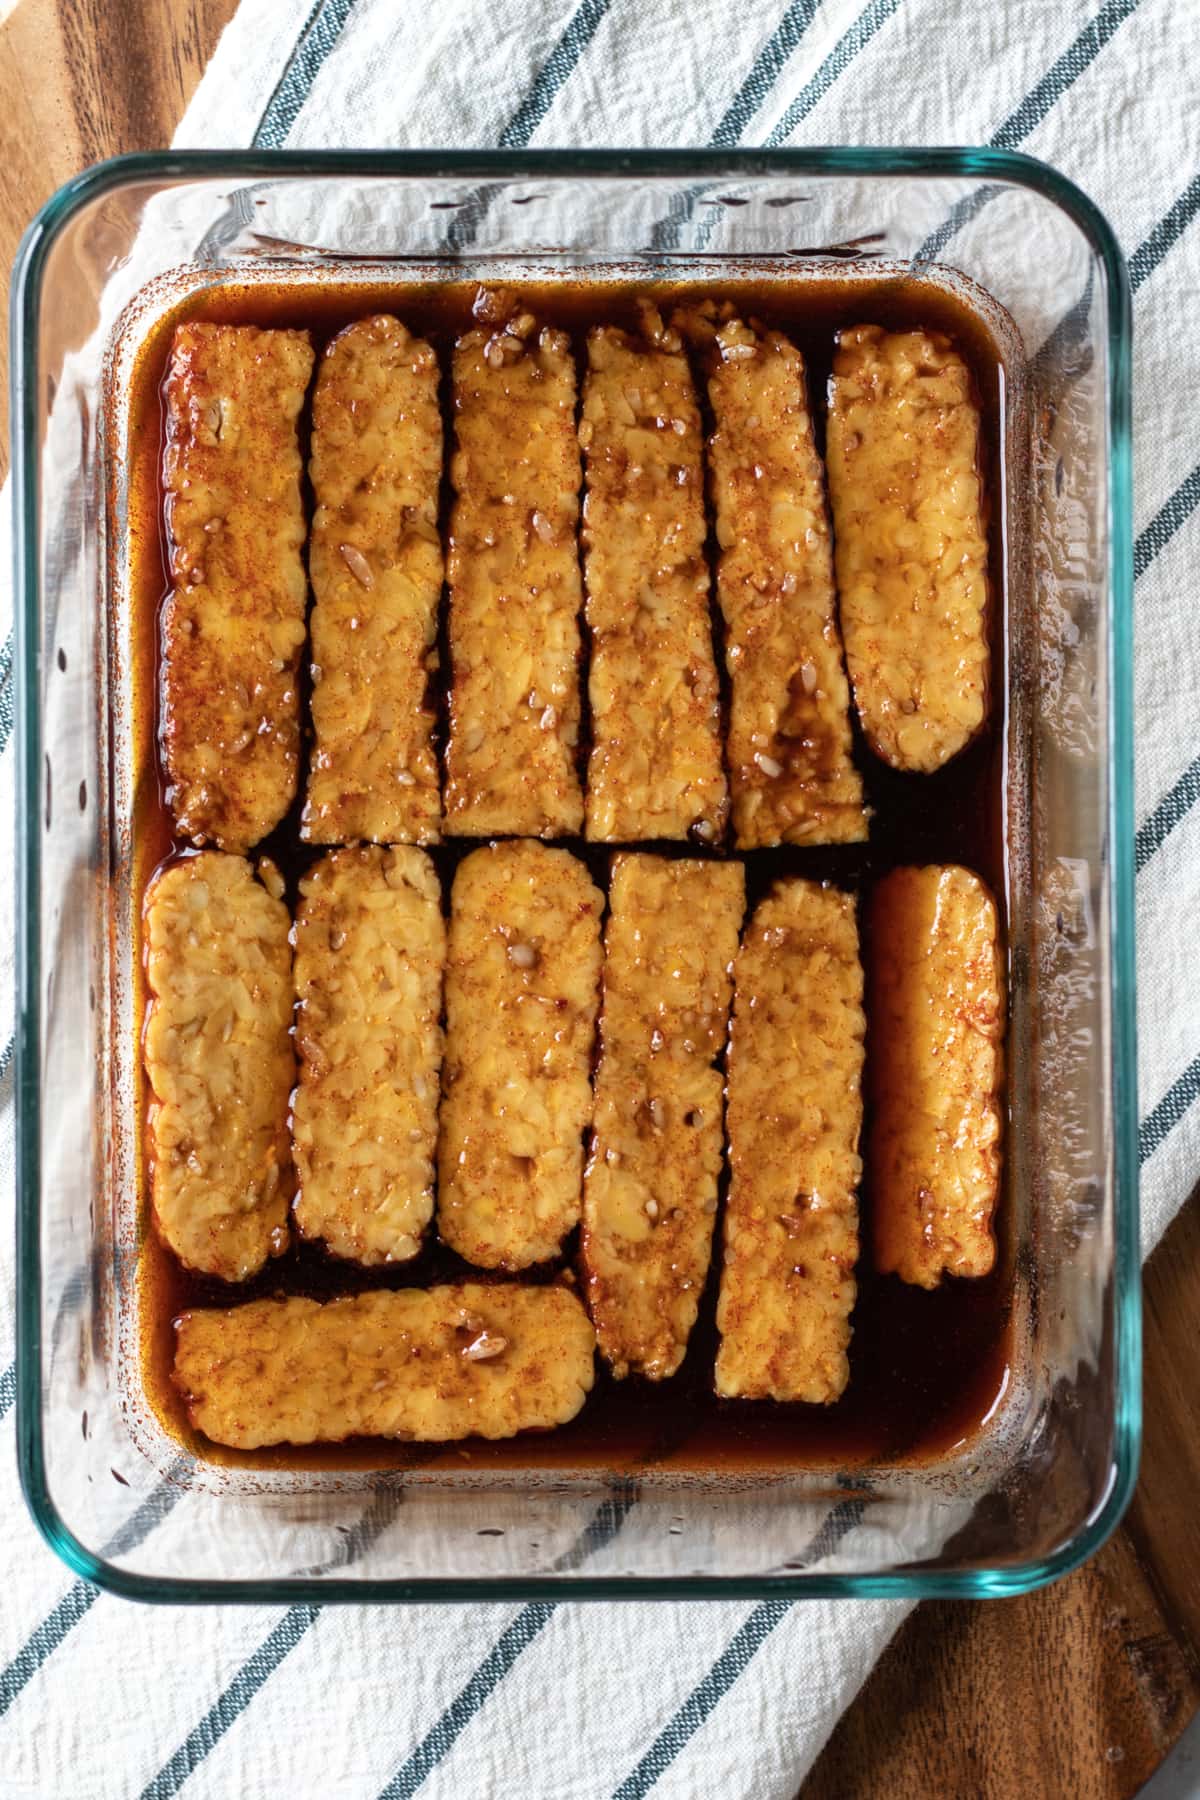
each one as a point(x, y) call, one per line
point(1046, 1477)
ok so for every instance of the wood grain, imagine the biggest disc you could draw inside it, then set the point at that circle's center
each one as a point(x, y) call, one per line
point(1077, 1691)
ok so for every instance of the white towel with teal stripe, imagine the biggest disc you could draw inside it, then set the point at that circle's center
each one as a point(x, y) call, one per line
point(733, 1701)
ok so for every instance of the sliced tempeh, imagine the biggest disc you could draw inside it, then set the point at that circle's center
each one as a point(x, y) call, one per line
point(793, 778)
point(795, 1112)
point(937, 1069)
point(370, 948)
point(234, 622)
point(655, 767)
point(375, 559)
point(903, 454)
point(522, 978)
point(219, 1060)
point(427, 1364)
point(515, 591)
point(650, 1190)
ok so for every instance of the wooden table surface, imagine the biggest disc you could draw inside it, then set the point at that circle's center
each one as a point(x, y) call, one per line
point(1075, 1693)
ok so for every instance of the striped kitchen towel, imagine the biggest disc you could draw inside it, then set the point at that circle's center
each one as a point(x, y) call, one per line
point(99, 1701)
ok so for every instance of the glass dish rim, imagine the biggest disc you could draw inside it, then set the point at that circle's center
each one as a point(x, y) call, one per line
point(1010, 167)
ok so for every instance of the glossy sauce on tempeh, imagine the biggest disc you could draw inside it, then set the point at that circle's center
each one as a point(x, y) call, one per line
point(787, 1283)
point(655, 769)
point(370, 948)
point(375, 562)
point(515, 592)
point(233, 625)
point(789, 745)
point(900, 1405)
point(657, 1144)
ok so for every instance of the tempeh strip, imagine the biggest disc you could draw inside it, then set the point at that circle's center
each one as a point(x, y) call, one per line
point(522, 978)
point(936, 1001)
point(429, 1364)
point(795, 1112)
point(789, 745)
point(903, 454)
point(234, 622)
point(515, 591)
point(375, 559)
point(650, 1188)
point(218, 1055)
point(655, 766)
point(370, 948)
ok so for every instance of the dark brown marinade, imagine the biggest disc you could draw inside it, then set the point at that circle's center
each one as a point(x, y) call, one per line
point(926, 1368)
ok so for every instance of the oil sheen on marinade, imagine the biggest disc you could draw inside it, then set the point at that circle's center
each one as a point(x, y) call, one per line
point(900, 1404)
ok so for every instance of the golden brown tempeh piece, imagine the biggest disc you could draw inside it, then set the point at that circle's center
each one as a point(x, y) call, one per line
point(375, 559)
point(793, 778)
point(903, 454)
point(795, 1112)
point(655, 767)
point(219, 1061)
point(937, 1072)
point(427, 1364)
point(650, 1189)
point(234, 623)
point(522, 977)
point(370, 947)
point(515, 592)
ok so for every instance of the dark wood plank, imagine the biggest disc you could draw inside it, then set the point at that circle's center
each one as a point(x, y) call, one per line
point(1163, 1523)
point(1083, 1688)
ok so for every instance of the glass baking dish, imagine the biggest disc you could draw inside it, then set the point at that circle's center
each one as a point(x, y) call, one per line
point(1046, 1477)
